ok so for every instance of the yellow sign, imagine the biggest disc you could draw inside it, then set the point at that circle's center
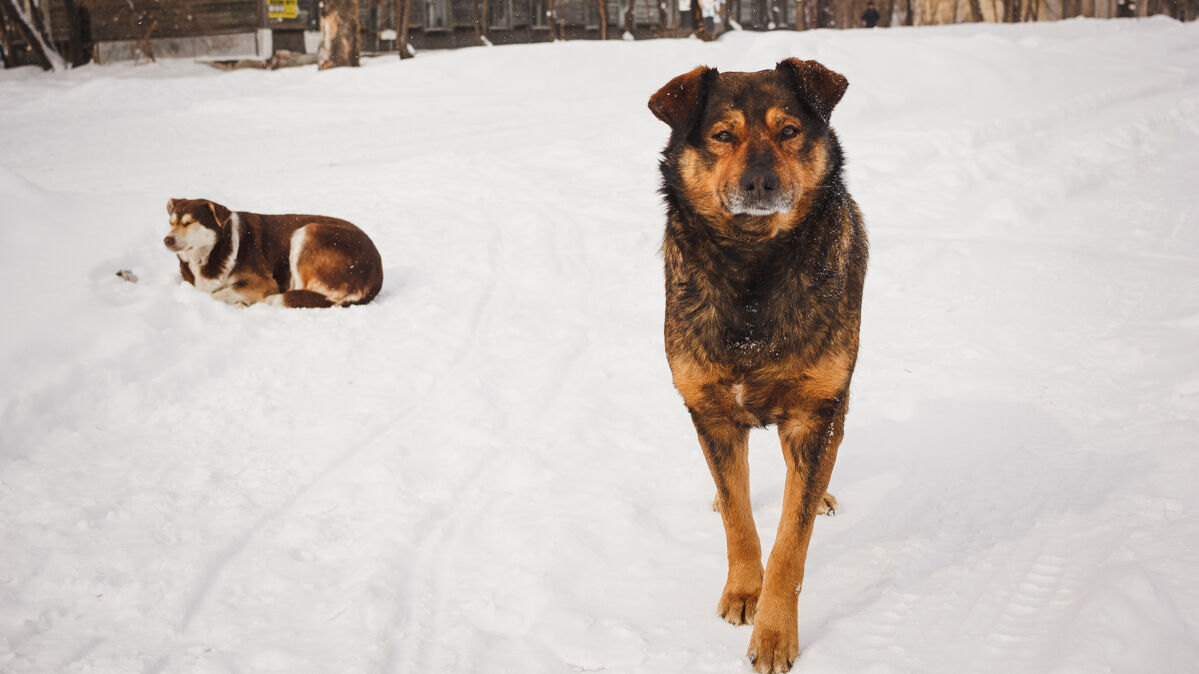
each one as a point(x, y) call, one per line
point(283, 9)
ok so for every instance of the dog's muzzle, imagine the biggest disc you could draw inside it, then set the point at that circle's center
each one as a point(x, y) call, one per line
point(759, 193)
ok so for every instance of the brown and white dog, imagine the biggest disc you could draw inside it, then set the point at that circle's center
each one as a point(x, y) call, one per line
point(765, 255)
point(285, 260)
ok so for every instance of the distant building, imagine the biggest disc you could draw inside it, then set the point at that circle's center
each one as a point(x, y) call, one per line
point(119, 30)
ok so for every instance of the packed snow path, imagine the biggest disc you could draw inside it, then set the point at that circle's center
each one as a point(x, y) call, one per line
point(487, 470)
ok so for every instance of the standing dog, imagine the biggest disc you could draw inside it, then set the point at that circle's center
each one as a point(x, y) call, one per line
point(765, 256)
point(284, 260)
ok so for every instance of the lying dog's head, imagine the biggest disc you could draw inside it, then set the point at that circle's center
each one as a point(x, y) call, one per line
point(749, 152)
point(196, 226)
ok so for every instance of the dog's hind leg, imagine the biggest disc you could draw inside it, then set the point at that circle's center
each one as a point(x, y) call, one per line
point(299, 299)
point(810, 433)
point(726, 447)
point(828, 505)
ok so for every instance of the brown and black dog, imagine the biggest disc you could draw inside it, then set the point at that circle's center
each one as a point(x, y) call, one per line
point(765, 255)
point(284, 260)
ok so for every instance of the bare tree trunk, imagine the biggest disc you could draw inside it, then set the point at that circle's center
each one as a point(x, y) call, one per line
point(6, 55)
point(46, 57)
point(801, 22)
point(726, 14)
point(75, 42)
point(39, 22)
point(697, 18)
point(486, 21)
point(976, 11)
point(603, 18)
point(629, 20)
point(551, 10)
point(339, 35)
point(663, 18)
point(908, 14)
point(402, 33)
point(1011, 11)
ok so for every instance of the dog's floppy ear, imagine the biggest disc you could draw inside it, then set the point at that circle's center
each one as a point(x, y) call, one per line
point(220, 213)
point(681, 100)
point(820, 88)
point(170, 206)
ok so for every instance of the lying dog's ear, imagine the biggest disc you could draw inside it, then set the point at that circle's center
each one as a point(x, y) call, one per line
point(220, 213)
point(170, 206)
point(820, 88)
point(680, 102)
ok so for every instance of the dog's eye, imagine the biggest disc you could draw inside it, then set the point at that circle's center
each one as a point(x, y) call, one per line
point(724, 137)
point(789, 131)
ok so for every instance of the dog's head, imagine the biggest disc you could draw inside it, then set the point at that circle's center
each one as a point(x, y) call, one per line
point(749, 152)
point(196, 226)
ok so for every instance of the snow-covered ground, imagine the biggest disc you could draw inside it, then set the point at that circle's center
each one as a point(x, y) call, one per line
point(487, 469)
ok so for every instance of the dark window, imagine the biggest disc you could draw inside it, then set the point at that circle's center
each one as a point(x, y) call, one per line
point(437, 14)
point(498, 14)
point(539, 10)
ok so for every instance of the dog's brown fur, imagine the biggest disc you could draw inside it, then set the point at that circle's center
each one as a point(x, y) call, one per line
point(251, 257)
point(765, 255)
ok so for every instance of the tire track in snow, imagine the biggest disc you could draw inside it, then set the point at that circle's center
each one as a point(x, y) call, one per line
point(202, 587)
point(430, 575)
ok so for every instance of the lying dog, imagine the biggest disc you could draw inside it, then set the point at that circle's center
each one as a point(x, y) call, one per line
point(765, 257)
point(284, 260)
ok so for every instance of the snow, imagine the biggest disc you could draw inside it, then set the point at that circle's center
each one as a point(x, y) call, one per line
point(487, 469)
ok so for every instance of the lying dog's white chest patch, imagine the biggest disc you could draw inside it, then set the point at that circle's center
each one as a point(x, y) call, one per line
point(196, 263)
point(208, 285)
point(298, 239)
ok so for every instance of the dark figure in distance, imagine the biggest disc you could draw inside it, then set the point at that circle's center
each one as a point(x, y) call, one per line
point(870, 16)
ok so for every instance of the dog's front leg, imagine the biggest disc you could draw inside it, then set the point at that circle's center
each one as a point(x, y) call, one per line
point(810, 435)
point(726, 447)
point(229, 295)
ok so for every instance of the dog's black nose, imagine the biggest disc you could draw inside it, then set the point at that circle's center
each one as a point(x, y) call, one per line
point(169, 241)
point(759, 182)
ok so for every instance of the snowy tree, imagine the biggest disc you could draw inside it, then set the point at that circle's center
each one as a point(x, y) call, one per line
point(603, 17)
point(32, 30)
point(402, 30)
point(339, 34)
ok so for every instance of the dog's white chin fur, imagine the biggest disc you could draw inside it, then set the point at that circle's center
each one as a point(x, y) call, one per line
point(759, 211)
point(195, 255)
point(197, 244)
point(781, 204)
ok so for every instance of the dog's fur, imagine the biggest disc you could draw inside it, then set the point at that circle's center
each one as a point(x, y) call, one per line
point(765, 256)
point(285, 260)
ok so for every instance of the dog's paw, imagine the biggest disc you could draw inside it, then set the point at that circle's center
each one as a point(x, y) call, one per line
point(738, 608)
point(773, 651)
point(739, 601)
point(828, 505)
